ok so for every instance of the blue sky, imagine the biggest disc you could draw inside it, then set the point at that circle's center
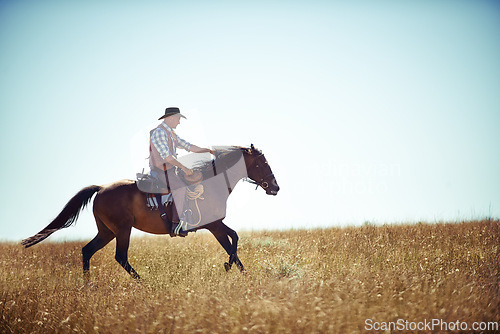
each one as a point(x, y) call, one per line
point(381, 111)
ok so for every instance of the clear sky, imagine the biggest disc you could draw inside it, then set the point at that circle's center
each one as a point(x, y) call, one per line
point(380, 111)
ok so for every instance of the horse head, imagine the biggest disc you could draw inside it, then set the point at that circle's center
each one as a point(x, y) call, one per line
point(259, 171)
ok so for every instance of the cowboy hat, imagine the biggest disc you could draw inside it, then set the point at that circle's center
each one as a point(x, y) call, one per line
point(172, 111)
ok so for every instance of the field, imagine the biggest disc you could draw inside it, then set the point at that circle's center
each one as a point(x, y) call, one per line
point(337, 280)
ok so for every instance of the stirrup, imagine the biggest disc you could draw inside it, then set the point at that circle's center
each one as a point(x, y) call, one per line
point(177, 230)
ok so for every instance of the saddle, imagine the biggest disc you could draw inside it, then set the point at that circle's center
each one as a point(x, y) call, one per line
point(150, 185)
point(192, 179)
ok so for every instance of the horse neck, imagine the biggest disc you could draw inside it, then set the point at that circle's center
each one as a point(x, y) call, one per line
point(235, 171)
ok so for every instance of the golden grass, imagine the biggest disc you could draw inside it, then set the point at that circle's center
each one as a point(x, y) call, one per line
point(299, 281)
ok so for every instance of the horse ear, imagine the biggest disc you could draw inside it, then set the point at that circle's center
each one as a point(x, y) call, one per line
point(252, 147)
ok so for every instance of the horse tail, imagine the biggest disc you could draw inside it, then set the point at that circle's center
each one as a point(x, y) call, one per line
point(66, 218)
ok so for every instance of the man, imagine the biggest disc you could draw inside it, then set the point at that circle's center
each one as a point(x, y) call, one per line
point(163, 161)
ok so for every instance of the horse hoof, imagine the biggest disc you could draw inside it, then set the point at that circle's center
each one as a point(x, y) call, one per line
point(227, 266)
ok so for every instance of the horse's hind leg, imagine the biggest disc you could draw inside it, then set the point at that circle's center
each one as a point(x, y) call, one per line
point(103, 237)
point(121, 255)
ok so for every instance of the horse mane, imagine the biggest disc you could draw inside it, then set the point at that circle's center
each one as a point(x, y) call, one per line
point(225, 158)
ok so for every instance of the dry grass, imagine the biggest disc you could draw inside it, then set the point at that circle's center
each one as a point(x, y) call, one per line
point(314, 281)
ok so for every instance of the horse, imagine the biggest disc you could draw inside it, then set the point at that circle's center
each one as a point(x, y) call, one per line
point(120, 206)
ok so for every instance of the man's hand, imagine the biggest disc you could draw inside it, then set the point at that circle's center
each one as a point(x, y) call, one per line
point(196, 149)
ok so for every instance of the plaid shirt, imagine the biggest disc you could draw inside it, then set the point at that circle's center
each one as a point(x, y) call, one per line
point(160, 141)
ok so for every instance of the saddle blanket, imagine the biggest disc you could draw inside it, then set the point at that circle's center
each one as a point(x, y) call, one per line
point(152, 202)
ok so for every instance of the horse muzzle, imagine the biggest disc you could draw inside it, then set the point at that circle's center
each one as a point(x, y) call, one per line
point(272, 192)
point(273, 189)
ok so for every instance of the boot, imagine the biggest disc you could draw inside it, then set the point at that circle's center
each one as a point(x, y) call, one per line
point(177, 230)
point(176, 224)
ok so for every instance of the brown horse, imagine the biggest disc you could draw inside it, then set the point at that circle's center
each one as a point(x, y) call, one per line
point(120, 206)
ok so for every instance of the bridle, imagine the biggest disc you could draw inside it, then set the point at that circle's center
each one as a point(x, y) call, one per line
point(262, 182)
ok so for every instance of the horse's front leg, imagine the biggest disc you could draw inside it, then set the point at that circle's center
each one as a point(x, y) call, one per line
point(235, 259)
point(233, 256)
point(222, 233)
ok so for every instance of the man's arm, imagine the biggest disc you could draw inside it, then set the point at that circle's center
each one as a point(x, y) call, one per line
point(196, 149)
point(192, 148)
point(173, 161)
